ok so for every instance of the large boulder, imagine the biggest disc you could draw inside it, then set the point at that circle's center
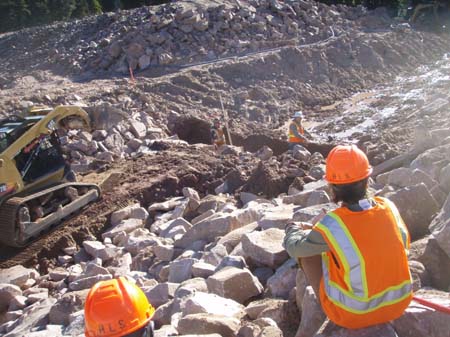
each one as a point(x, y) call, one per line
point(198, 324)
point(161, 293)
point(312, 315)
point(265, 248)
point(231, 239)
point(420, 320)
point(440, 227)
point(381, 330)
point(221, 224)
point(7, 293)
point(276, 217)
point(35, 316)
point(436, 261)
point(283, 281)
point(213, 304)
point(307, 198)
point(17, 275)
point(67, 305)
point(416, 206)
point(237, 284)
point(431, 160)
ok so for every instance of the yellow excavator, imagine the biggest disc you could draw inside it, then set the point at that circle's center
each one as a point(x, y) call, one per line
point(37, 188)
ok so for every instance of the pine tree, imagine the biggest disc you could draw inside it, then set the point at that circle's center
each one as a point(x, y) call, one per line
point(61, 9)
point(40, 13)
point(81, 9)
point(94, 6)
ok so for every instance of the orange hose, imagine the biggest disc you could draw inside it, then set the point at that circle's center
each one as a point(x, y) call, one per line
point(432, 305)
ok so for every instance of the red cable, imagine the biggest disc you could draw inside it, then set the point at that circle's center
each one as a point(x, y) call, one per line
point(432, 305)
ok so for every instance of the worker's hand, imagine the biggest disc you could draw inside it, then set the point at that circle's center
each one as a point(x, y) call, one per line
point(319, 216)
point(295, 226)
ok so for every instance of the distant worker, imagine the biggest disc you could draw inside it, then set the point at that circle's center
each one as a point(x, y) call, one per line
point(117, 308)
point(217, 134)
point(297, 134)
point(355, 257)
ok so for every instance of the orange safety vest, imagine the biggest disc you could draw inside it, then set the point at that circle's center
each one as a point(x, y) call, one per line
point(366, 278)
point(292, 138)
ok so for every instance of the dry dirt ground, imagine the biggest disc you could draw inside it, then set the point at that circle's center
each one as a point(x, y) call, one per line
point(341, 82)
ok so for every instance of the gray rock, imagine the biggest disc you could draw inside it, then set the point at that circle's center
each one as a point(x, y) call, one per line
point(265, 248)
point(430, 254)
point(312, 314)
point(419, 320)
point(201, 302)
point(17, 275)
point(283, 281)
point(331, 330)
point(7, 293)
point(161, 293)
point(307, 198)
point(417, 207)
point(300, 153)
point(36, 316)
point(198, 324)
point(440, 227)
point(202, 269)
point(88, 282)
point(237, 284)
point(67, 305)
point(181, 270)
point(220, 225)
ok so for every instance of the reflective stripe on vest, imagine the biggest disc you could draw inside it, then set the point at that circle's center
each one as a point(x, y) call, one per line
point(400, 224)
point(356, 299)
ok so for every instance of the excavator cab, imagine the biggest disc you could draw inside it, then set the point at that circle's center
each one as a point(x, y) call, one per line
point(37, 189)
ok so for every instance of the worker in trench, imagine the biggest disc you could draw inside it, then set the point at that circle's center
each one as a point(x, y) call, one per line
point(118, 308)
point(297, 133)
point(217, 134)
point(355, 257)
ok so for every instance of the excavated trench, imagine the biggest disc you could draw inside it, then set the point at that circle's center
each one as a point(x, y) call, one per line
point(197, 131)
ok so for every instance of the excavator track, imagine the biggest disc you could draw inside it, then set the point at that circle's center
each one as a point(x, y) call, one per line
point(15, 232)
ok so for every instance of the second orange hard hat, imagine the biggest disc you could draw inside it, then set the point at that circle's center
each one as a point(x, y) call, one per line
point(347, 164)
point(115, 308)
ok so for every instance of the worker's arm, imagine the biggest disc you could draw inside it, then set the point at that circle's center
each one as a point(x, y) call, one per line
point(295, 132)
point(303, 243)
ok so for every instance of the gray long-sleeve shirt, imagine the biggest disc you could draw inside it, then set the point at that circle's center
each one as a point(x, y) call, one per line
point(304, 243)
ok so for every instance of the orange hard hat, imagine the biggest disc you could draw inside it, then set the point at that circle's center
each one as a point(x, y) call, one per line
point(347, 164)
point(115, 308)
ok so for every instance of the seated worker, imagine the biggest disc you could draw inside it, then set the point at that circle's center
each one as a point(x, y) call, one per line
point(355, 257)
point(117, 308)
point(217, 134)
point(297, 133)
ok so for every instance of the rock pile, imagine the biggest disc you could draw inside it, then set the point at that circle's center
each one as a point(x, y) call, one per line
point(212, 267)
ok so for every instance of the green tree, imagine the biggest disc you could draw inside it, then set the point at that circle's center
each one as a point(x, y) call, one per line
point(61, 9)
point(81, 9)
point(95, 6)
point(13, 14)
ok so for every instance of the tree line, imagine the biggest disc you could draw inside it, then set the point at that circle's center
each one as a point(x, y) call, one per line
point(17, 14)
